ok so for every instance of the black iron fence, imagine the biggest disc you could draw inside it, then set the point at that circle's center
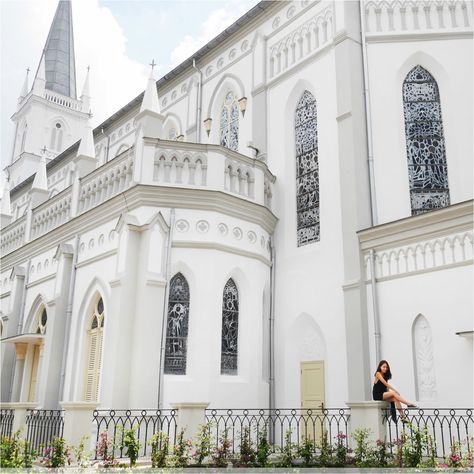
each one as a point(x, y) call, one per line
point(112, 424)
point(279, 425)
point(6, 421)
point(446, 427)
point(42, 426)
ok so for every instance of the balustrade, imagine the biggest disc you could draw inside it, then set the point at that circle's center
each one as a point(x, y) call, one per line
point(13, 236)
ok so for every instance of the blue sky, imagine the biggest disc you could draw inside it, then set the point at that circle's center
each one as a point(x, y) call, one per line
point(117, 38)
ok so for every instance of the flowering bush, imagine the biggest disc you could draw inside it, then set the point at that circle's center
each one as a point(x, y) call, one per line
point(306, 450)
point(57, 455)
point(105, 450)
point(221, 454)
point(203, 444)
point(159, 449)
point(263, 447)
point(181, 449)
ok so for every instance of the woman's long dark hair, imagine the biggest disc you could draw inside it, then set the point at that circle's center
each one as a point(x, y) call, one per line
point(388, 374)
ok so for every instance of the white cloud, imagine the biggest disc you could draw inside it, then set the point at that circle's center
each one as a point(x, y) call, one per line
point(215, 23)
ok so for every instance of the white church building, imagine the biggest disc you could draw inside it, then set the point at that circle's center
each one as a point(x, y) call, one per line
point(259, 228)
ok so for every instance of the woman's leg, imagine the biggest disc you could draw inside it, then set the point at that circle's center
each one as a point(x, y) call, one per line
point(391, 396)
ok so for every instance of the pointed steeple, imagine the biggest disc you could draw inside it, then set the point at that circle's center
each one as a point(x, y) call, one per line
point(85, 160)
point(150, 98)
point(86, 147)
point(58, 53)
point(25, 88)
point(86, 95)
point(41, 177)
point(39, 189)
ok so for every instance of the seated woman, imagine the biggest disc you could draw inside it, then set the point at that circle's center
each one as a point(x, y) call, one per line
point(383, 391)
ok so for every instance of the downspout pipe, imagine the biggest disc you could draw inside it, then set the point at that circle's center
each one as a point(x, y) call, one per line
point(272, 334)
point(199, 103)
point(165, 306)
point(20, 320)
point(373, 199)
point(67, 332)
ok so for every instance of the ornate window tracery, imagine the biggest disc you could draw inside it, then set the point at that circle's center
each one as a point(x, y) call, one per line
point(230, 122)
point(177, 326)
point(94, 353)
point(230, 329)
point(426, 151)
point(307, 170)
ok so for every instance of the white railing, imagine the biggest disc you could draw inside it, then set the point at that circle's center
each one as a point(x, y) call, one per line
point(60, 99)
point(13, 236)
point(51, 214)
point(383, 16)
point(212, 167)
point(106, 181)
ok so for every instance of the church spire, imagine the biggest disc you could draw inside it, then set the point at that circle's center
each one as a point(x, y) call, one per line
point(25, 88)
point(58, 53)
point(86, 95)
point(150, 98)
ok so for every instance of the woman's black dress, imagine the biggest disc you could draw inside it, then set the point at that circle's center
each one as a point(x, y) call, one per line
point(378, 390)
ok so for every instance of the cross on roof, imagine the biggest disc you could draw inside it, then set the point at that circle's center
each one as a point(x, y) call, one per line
point(152, 64)
point(44, 150)
point(27, 70)
point(88, 68)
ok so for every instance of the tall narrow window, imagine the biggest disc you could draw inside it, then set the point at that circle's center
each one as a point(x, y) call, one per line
point(94, 353)
point(307, 170)
point(23, 138)
point(230, 122)
point(41, 322)
point(177, 327)
point(230, 329)
point(57, 137)
point(426, 151)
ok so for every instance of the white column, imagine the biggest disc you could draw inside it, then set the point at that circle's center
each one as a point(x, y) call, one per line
point(78, 421)
point(367, 415)
point(190, 417)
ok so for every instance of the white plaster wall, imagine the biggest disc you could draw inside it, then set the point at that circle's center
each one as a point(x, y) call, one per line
point(445, 300)
point(450, 63)
point(207, 272)
point(309, 278)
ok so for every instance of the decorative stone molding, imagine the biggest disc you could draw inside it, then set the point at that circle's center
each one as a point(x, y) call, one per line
point(301, 42)
point(416, 16)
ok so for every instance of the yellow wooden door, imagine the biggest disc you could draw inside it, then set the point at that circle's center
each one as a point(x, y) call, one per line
point(312, 398)
point(34, 374)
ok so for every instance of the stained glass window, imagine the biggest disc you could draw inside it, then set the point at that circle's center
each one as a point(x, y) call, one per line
point(177, 327)
point(426, 151)
point(230, 122)
point(230, 328)
point(307, 170)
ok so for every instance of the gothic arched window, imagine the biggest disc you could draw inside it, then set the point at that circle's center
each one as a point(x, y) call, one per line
point(230, 328)
point(177, 327)
point(23, 138)
point(307, 170)
point(95, 333)
point(230, 122)
point(426, 151)
point(41, 322)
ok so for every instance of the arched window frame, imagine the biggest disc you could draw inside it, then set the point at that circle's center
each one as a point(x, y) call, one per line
point(23, 138)
point(307, 171)
point(230, 329)
point(41, 321)
point(177, 326)
point(95, 335)
point(425, 145)
point(229, 122)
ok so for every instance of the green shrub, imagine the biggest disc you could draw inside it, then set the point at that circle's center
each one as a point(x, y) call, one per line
point(203, 444)
point(159, 450)
point(221, 454)
point(131, 444)
point(247, 451)
point(263, 447)
point(305, 451)
point(57, 455)
point(15, 453)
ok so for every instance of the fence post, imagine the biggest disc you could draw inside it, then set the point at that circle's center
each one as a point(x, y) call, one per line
point(19, 416)
point(367, 415)
point(77, 420)
point(190, 417)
